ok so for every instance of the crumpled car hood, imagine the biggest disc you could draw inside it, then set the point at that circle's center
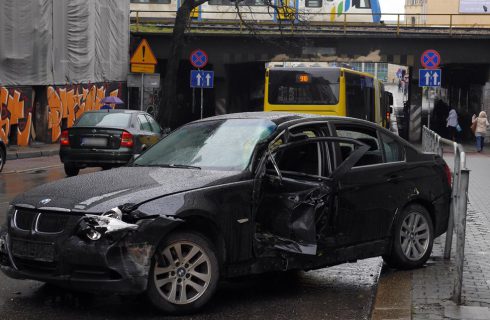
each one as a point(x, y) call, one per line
point(101, 191)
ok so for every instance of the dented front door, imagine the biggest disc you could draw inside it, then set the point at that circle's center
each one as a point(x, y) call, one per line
point(295, 212)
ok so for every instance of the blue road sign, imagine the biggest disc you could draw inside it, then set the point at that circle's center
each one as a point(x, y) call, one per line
point(430, 78)
point(202, 79)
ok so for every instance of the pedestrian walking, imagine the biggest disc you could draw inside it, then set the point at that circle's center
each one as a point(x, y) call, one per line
point(452, 124)
point(480, 125)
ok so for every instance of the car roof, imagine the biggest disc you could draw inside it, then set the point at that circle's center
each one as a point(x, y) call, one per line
point(115, 111)
point(283, 117)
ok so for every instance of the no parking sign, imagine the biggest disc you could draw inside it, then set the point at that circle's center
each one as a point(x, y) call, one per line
point(430, 59)
point(199, 59)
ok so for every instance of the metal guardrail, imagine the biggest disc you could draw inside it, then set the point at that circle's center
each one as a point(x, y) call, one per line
point(432, 142)
point(394, 22)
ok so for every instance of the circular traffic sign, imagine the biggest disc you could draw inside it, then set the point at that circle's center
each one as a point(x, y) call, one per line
point(198, 58)
point(430, 59)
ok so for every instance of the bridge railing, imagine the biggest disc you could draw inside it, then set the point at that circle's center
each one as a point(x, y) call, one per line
point(393, 22)
point(432, 142)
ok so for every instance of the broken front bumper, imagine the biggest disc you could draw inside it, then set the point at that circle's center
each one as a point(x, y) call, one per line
point(116, 263)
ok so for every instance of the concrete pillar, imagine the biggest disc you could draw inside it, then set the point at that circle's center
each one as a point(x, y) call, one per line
point(415, 134)
point(486, 105)
point(486, 98)
point(220, 89)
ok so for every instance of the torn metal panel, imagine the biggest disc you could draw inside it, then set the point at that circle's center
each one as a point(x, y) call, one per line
point(291, 217)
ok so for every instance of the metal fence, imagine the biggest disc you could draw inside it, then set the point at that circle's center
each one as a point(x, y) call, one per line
point(432, 142)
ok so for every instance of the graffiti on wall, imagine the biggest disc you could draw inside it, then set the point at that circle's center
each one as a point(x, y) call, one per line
point(16, 114)
point(67, 103)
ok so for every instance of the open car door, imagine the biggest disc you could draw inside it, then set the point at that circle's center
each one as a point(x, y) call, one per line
point(297, 193)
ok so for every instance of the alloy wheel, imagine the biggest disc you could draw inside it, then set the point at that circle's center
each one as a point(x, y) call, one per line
point(182, 272)
point(414, 236)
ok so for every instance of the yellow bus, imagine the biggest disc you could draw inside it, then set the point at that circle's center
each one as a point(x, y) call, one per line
point(327, 91)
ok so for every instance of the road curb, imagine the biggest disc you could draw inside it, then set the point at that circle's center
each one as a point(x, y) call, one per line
point(12, 155)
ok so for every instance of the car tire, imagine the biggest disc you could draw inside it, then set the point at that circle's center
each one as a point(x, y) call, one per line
point(413, 237)
point(183, 283)
point(3, 157)
point(71, 170)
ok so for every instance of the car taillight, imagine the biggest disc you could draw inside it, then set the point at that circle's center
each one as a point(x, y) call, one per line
point(64, 140)
point(127, 140)
point(449, 175)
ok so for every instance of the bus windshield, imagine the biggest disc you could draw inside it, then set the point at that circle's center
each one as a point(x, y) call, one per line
point(308, 86)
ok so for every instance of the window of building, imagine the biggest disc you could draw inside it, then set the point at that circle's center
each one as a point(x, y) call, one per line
point(370, 68)
point(365, 4)
point(221, 3)
point(151, 1)
point(313, 3)
point(382, 72)
point(356, 66)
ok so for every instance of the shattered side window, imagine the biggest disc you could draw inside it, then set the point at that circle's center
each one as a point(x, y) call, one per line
point(394, 151)
point(365, 135)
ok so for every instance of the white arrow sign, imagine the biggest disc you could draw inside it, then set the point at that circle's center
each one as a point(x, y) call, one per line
point(198, 77)
point(427, 78)
point(208, 79)
point(435, 76)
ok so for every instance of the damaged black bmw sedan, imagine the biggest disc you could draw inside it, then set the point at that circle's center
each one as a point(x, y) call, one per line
point(229, 196)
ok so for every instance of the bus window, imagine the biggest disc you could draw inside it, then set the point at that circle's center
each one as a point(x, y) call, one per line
point(359, 96)
point(304, 87)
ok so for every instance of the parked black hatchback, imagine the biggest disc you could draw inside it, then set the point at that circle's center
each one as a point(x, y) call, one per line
point(229, 196)
point(107, 138)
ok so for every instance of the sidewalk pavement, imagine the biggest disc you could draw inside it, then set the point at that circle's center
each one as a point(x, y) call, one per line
point(429, 291)
point(432, 286)
point(33, 151)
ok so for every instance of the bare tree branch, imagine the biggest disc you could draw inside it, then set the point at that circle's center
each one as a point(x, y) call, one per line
point(286, 17)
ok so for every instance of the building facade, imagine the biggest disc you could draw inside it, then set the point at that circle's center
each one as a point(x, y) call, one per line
point(456, 13)
point(58, 59)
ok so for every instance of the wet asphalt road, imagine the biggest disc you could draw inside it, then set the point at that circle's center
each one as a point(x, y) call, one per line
point(341, 292)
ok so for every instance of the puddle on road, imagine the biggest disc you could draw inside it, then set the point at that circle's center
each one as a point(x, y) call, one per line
point(37, 171)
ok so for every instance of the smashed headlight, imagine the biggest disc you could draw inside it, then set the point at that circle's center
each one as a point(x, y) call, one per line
point(115, 213)
point(93, 227)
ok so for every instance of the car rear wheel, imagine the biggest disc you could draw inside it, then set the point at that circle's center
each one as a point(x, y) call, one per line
point(184, 273)
point(2, 159)
point(71, 170)
point(413, 237)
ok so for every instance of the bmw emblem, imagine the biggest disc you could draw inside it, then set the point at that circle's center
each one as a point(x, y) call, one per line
point(45, 201)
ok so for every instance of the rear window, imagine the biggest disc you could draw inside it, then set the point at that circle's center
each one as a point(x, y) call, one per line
point(104, 119)
point(304, 86)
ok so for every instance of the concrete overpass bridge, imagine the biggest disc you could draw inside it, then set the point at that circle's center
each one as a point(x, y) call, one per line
point(237, 56)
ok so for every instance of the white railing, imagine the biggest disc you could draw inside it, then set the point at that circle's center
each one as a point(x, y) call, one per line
point(432, 142)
